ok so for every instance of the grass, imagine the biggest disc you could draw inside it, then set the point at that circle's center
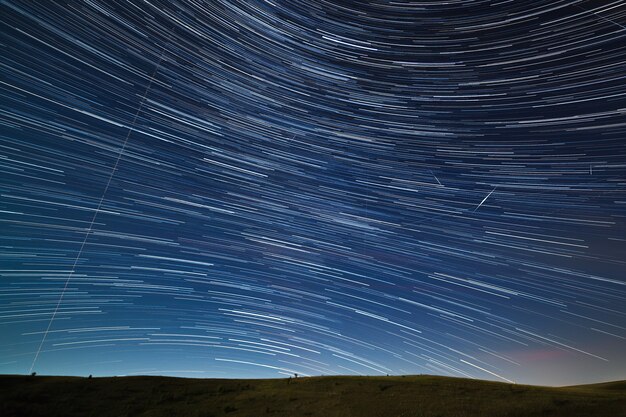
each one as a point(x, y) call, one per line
point(336, 396)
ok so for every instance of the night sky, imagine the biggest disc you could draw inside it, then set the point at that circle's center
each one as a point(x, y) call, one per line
point(256, 188)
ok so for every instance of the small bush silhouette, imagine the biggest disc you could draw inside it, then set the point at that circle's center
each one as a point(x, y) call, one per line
point(226, 390)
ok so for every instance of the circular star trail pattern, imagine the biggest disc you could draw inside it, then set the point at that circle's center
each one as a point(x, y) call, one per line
point(262, 188)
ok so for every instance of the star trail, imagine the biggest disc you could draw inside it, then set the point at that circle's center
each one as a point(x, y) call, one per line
point(259, 188)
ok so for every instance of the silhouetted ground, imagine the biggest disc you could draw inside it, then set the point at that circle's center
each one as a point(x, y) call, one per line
point(394, 396)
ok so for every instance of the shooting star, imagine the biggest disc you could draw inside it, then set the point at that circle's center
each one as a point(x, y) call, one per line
point(433, 174)
point(485, 199)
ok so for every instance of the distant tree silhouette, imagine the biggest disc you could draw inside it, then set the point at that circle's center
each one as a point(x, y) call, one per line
point(33, 374)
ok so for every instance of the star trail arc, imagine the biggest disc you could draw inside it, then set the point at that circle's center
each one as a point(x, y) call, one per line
point(262, 188)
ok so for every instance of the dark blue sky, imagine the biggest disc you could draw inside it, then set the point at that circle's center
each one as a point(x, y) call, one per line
point(258, 188)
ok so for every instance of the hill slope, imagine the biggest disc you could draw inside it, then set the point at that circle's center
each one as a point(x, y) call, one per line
point(410, 396)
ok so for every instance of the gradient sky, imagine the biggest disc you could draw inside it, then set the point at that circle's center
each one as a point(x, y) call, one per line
point(259, 188)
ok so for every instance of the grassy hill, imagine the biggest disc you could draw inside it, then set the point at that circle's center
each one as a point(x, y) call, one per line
point(394, 396)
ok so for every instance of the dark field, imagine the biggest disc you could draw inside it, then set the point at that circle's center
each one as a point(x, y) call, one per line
point(410, 396)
